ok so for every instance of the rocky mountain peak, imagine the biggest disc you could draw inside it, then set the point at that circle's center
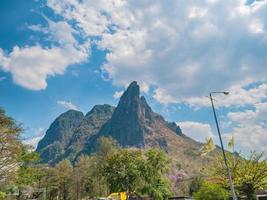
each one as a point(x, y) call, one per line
point(58, 134)
point(126, 122)
point(61, 125)
point(100, 109)
point(131, 96)
point(131, 123)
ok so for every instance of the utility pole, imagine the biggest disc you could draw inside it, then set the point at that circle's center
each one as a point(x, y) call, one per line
point(223, 151)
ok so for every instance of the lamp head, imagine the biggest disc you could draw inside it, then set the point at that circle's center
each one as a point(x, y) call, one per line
point(225, 93)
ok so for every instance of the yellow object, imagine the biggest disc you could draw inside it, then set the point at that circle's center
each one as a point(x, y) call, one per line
point(231, 143)
point(118, 196)
point(207, 147)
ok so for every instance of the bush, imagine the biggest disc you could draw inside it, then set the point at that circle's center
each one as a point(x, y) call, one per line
point(209, 191)
point(195, 185)
point(2, 196)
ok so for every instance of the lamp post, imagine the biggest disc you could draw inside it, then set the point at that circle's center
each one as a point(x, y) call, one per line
point(223, 151)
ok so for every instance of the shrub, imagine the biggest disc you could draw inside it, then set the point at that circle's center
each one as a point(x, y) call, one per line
point(2, 196)
point(209, 191)
point(195, 185)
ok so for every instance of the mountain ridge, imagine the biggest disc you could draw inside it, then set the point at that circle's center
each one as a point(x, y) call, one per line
point(132, 123)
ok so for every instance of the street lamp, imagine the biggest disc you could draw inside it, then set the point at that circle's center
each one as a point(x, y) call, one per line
point(223, 151)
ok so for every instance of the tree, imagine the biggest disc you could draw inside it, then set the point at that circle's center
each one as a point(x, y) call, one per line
point(10, 147)
point(104, 147)
point(64, 172)
point(83, 177)
point(27, 173)
point(210, 191)
point(122, 170)
point(153, 171)
point(195, 185)
point(249, 174)
point(132, 170)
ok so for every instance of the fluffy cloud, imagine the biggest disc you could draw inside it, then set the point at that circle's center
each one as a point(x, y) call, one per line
point(250, 128)
point(33, 141)
point(238, 96)
point(183, 49)
point(198, 131)
point(67, 104)
point(31, 65)
point(117, 94)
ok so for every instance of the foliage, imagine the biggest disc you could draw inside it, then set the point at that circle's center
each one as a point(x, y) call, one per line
point(109, 169)
point(81, 174)
point(130, 170)
point(122, 170)
point(27, 174)
point(210, 191)
point(195, 185)
point(10, 147)
point(155, 166)
point(2, 196)
point(249, 174)
point(207, 147)
point(64, 172)
point(105, 146)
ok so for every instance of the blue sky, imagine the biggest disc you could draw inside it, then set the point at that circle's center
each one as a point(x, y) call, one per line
point(56, 55)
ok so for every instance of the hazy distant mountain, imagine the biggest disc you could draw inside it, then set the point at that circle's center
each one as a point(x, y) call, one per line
point(131, 123)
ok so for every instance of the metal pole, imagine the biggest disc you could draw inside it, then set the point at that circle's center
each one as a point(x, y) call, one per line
point(224, 156)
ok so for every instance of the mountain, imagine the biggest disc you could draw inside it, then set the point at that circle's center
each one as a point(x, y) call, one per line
point(89, 126)
point(132, 123)
point(58, 135)
point(68, 134)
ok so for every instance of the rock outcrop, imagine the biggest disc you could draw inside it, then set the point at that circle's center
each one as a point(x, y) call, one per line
point(132, 123)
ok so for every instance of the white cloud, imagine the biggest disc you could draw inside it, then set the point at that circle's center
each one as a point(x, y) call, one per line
point(67, 104)
point(183, 49)
point(250, 128)
point(238, 96)
point(196, 130)
point(33, 141)
point(31, 65)
point(117, 94)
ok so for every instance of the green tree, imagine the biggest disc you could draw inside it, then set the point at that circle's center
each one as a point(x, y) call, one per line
point(249, 173)
point(195, 185)
point(210, 191)
point(64, 173)
point(131, 170)
point(105, 146)
point(10, 147)
point(83, 178)
point(97, 183)
point(28, 173)
point(153, 171)
point(49, 181)
point(122, 170)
